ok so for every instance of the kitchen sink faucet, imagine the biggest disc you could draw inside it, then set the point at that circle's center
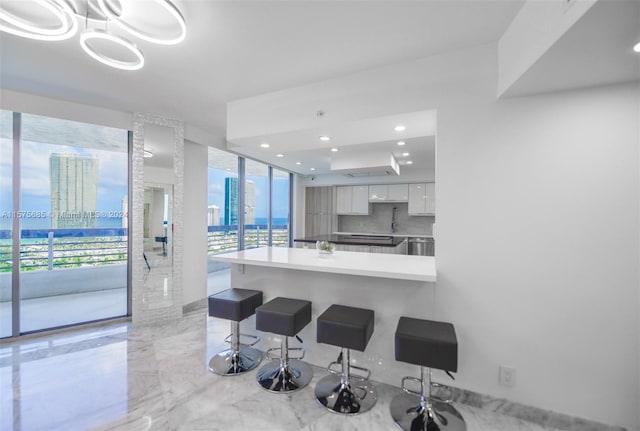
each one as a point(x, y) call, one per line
point(393, 220)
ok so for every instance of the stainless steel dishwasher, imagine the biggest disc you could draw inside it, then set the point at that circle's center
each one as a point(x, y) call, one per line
point(421, 247)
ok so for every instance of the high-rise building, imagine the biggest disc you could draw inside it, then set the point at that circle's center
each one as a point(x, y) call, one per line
point(74, 190)
point(213, 215)
point(231, 202)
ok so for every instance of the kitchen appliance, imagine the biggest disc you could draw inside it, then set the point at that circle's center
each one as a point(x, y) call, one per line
point(421, 247)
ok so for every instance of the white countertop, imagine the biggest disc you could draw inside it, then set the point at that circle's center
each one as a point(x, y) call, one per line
point(399, 235)
point(395, 266)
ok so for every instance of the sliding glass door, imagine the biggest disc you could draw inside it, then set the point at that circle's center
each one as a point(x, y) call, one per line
point(72, 182)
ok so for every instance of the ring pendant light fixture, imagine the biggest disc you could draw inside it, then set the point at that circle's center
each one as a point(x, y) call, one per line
point(66, 14)
point(102, 35)
point(112, 14)
point(61, 10)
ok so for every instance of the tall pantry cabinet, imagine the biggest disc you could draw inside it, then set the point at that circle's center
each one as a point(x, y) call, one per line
point(320, 214)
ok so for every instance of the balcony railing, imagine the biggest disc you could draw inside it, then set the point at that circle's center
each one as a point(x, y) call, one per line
point(225, 238)
point(48, 249)
point(65, 248)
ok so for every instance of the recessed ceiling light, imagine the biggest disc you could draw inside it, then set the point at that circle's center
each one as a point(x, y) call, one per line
point(401, 143)
point(312, 169)
point(298, 163)
point(325, 138)
point(409, 162)
point(265, 145)
point(399, 128)
point(405, 154)
point(637, 47)
point(279, 155)
point(334, 150)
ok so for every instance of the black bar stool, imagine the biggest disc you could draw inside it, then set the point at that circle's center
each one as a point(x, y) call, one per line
point(347, 328)
point(284, 316)
point(429, 344)
point(235, 305)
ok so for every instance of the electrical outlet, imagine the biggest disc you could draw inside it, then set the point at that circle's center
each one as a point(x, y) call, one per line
point(506, 376)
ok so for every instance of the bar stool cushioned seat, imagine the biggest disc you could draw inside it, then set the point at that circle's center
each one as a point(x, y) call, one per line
point(284, 316)
point(347, 327)
point(429, 344)
point(235, 305)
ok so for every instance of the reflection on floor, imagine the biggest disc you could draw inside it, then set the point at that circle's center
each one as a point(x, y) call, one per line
point(156, 378)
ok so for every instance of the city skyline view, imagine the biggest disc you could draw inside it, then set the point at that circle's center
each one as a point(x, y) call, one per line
point(216, 195)
point(40, 138)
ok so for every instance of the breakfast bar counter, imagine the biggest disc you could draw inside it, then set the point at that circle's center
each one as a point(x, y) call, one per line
point(398, 267)
point(390, 285)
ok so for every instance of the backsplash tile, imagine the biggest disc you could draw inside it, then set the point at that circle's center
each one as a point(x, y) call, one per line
point(379, 221)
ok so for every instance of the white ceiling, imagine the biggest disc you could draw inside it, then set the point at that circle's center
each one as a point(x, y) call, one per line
point(303, 152)
point(597, 50)
point(237, 49)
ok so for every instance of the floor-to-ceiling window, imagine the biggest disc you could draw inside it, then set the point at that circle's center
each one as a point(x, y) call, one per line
point(222, 202)
point(280, 208)
point(265, 194)
point(72, 183)
point(256, 204)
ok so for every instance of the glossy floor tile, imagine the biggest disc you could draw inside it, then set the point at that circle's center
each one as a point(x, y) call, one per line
point(155, 378)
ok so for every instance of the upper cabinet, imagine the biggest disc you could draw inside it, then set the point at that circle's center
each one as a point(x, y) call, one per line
point(378, 192)
point(352, 200)
point(319, 200)
point(388, 193)
point(422, 199)
point(398, 193)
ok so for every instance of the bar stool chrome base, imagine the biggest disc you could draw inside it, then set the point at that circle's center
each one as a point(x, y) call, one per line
point(343, 397)
point(279, 378)
point(412, 415)
point(230, 362)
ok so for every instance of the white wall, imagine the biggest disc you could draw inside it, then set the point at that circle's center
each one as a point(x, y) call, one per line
point(538, 226)
point(195, 222)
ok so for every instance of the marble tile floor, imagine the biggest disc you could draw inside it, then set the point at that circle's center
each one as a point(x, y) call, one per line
point(116, 377)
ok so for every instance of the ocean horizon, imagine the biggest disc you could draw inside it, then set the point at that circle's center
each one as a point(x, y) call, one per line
point(107, 222)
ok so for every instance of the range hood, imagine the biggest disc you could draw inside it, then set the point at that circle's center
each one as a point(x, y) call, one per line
point(365, 164)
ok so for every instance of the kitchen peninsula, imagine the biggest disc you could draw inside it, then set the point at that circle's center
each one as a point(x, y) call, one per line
point(391, 285)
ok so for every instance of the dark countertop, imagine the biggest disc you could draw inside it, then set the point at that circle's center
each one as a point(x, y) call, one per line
point(382, 241)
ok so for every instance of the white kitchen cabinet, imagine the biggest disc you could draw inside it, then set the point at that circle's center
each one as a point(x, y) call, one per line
point(422, 199)
point(388, 193)
point(343, 201)
point(398, 193)
point(378, 192)
point(360, 200)
point(352, 200)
